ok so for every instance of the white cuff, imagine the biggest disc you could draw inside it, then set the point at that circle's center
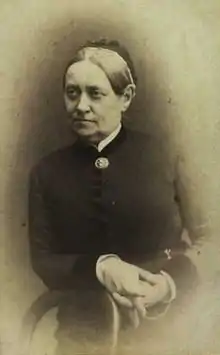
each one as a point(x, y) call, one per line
point(165, 304)
point(172, 286)
point(106, 256)
point(98, 265)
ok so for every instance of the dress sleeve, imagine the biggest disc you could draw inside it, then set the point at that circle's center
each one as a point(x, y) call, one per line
point(184, 265)
point(192, 212)
point(57, 270)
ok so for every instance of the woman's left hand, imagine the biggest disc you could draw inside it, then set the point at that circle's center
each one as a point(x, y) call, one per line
point(156, 286)
point(156, 290)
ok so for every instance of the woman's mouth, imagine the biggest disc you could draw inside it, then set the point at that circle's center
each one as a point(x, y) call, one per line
point(82, 120)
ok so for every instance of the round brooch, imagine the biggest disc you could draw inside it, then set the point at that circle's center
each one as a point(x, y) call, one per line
point(101, 163)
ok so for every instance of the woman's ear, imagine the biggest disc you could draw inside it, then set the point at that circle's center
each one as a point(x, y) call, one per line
point(127, 96)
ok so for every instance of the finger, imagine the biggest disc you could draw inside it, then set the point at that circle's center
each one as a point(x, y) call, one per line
point(122, 300)
point(151, 294)
point(132, 288)
point(148, 276)
point(134, 318)
point(113, 285)
point(128, 287)
point(138, 292)
point(139, 305)
point(153, 297)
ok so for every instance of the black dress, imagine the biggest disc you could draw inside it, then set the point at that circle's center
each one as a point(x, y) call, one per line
point(135, 207)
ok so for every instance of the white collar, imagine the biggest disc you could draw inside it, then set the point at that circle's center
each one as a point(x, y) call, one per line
point(101, 145)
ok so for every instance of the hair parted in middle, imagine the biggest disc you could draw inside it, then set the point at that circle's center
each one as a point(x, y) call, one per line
point(112, 58)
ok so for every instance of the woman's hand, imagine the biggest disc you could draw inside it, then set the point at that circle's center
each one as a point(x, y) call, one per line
point(120, 277)
point(157, 288)
point(131, 286)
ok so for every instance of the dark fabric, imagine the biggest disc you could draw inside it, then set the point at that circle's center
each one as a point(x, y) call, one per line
point(78, 212)
point(86, 322)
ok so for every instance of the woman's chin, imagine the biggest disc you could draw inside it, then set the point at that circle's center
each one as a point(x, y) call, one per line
point(85, 133)
point(84, 129)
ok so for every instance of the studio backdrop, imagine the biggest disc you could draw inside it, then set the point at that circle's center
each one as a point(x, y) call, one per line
point(175, 49)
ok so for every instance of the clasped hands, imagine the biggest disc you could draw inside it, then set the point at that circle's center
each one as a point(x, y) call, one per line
point(132, 287)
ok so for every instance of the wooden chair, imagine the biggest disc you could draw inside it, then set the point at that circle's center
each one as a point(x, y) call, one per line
point(43, 304)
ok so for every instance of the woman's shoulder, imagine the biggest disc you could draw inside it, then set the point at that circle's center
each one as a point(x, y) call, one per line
point(152, 147)
point(54, 160)
point(147, 140)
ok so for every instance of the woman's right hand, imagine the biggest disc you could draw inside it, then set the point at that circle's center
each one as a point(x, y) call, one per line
point(122, 280)
point(119, 277)
point(130, 286)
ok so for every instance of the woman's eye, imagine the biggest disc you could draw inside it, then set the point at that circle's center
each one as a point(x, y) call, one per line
point(95, 94)
point(72, 93)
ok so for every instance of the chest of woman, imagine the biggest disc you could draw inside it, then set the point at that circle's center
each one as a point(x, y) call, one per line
point(130, 204)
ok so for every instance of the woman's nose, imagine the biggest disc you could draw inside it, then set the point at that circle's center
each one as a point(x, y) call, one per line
point(83, 104)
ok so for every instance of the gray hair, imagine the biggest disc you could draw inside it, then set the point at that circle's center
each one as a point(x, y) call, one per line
point(117, 67)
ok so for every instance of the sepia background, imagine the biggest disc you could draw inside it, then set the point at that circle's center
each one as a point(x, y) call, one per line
point(175, 46)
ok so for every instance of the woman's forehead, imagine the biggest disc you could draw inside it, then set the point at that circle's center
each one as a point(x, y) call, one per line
point(86, 73)
point(103, 55)
point(107, 60)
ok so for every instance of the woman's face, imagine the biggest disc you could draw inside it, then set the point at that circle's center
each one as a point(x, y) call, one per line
point(93, 107)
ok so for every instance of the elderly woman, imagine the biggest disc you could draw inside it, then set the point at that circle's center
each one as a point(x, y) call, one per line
point(106, 212)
